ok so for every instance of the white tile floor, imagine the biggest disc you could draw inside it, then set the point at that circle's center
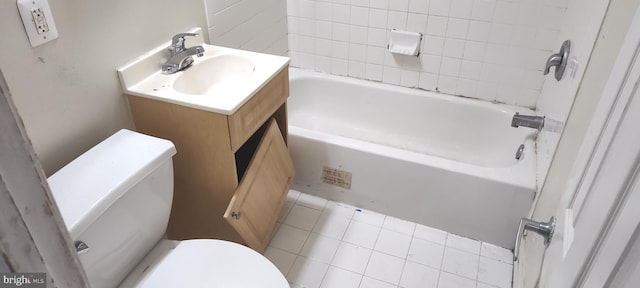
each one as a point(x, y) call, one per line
point(320, 243)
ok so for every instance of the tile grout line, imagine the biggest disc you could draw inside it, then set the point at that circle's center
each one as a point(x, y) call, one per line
point(298, 254)
point(444, 250)
point(406, 257)
point(478, 269)
point(336, 252)
point(372, 249)
point(340, 242)
point(440, 271)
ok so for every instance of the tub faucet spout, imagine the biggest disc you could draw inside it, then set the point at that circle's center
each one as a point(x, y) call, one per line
point(535, 122)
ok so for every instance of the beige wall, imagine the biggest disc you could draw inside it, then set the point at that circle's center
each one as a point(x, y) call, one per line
point(67, 91)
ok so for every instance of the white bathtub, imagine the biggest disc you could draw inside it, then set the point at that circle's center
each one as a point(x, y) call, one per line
point(438, 160)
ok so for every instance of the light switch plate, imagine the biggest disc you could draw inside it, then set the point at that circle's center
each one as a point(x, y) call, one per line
point(38, 21)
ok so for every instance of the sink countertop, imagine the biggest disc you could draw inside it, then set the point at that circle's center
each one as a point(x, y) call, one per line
point(142, 77)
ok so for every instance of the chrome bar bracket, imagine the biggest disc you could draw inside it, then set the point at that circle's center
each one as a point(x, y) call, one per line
point(542, 228)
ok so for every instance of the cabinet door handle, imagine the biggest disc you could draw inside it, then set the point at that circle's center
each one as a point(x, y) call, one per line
point(235, 215)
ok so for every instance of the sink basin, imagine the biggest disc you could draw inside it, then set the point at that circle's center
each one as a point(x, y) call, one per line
point(213, 74)
point(220, 81)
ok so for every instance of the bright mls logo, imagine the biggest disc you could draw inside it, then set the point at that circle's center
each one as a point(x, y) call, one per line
point(23, 280)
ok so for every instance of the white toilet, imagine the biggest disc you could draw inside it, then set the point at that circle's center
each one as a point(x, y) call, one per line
point(115, 200)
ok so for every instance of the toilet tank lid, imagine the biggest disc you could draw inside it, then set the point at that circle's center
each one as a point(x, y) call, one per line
point(86, 187)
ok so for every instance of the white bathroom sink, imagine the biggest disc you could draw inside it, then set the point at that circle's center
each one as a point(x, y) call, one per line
point(210, 76)
point(220, 81)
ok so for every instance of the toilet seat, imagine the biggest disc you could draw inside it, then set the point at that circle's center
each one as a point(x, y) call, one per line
point(213, 263)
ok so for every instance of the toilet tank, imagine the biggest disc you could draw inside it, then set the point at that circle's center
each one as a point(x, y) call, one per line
point(116, 199)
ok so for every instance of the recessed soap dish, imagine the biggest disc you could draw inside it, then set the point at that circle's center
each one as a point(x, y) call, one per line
point(405, 42)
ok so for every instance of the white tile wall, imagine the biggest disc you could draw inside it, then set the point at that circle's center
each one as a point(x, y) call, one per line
point(488, 49)
point(254, 25)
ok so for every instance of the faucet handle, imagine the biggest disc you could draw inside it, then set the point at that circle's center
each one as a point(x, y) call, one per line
point(180, 36)
point(554, 60)
point(559, 60)
point(177, 41)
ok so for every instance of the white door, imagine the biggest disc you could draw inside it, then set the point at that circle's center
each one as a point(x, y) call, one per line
point(598, 225)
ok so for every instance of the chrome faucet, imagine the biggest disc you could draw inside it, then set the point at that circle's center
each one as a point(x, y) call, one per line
point(181, 57)
point(535, 122)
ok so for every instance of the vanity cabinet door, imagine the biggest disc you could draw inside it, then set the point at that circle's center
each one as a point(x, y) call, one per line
point(256, 204)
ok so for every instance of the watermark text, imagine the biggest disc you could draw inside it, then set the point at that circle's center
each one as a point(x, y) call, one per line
point(23, 280)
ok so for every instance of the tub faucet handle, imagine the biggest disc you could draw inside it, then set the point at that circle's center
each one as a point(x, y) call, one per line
point(559, 60)
point(554, 60)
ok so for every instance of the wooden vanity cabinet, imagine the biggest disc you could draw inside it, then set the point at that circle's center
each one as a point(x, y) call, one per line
point(231, 172)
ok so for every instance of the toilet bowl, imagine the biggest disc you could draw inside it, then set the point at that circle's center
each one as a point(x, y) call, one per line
point(115, 200)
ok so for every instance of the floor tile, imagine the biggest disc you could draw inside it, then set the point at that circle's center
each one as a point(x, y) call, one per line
point(320, 243)
point(448, 280)
point(464, 244)
point(340, 278)
point(460, 263)
point(496, 253)
point(275, 229)
point(286, 208)
point(495, 272)
point(289, 238)
point(340, 209)
point(369, 217)
point(302, 217)
point(361, 234)
point(399, 225)
point(351, 257)
point(320, 248)
point(311, 201)
point(368, 282)
point(393, 243)
point(282, 259)
point(479, 285)
point(331, 225)
point(415, 275)
point(385, 267)
point(431, 234)
point(426, 253)
point(307, 273)
point(293, 195)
